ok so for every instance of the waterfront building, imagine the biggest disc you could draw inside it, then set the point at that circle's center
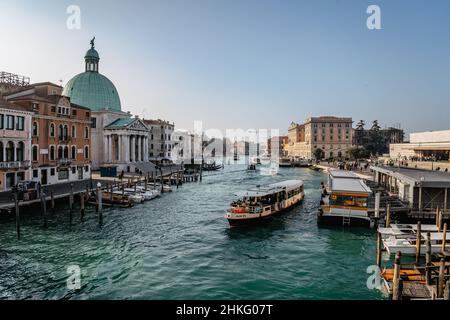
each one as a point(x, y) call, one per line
point(15, 144)
point(161, 139)
point(278, 142)
point(423, 146)
point(116, 137)
point(332, 135)
point(60, 134)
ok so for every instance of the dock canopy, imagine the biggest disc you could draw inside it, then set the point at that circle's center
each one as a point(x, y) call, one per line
point(343, 174)
point(424, 178)
point(349, 185)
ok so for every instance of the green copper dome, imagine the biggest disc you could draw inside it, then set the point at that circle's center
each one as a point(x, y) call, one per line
point(92, 89)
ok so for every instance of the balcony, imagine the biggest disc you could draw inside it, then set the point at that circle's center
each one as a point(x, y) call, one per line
point(15, 164)
point(64, 162)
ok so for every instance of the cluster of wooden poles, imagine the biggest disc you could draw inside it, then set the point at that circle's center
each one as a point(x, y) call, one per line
point(437, 276)
point(85, 196)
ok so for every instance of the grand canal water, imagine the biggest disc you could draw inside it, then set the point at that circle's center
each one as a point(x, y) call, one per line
point(181, 247)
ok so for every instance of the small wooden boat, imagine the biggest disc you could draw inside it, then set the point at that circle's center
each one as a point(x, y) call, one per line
point(252, 168)
point(121, 201)
point(264, 202)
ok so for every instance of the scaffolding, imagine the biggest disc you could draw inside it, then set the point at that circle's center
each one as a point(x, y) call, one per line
point(14, 79)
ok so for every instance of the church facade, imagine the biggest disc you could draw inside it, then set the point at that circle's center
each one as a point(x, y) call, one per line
point(116, 137)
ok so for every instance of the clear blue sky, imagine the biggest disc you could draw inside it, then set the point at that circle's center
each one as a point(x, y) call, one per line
point(248, 63)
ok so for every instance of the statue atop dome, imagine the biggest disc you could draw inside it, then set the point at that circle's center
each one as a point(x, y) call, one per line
point(93, 43)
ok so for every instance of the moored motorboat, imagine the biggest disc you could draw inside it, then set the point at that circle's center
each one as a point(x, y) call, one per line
point(263, 202)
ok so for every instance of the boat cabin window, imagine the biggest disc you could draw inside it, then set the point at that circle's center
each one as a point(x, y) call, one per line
point(348, 201)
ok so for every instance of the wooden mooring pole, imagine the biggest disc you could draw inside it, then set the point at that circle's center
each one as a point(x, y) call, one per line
point(441, 281)
point(418, 241)
point(16, 203)
point(52, 201)
point(428, 259)
point(444, 238)
point(379, 248)
point(99, 205)
point(82, 211)
point(396, 283)
point(388, 216)
point(71, 197)
point(44, 209)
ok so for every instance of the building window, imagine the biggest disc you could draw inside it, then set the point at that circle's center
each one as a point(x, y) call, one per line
point(20, 151)
point(86, 168)
point(86, 152)
point(35, 153)
point(2, 119)
point(9, 122)
point(74, 131)
point(66, 152)
point(35, 173)
point(74, 112)
point(60, 152)
point(52, 153)
point(94, 123)
point(88, 115)
point(52, 172)
point(74, 152)
point(52, 130)
point(66, 133)
point(53, 109)
point(10, 152)
point(74, 170)
point(35, 129)
point(86, 133)
point(20, 123)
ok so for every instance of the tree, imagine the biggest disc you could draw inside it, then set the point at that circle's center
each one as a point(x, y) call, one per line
point(358, 153)
point(319, 154)
point(376, 144)
point(360, 125)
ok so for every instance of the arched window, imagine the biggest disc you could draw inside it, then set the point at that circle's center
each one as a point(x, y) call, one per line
point(10, 152)
point(35, 129)
point(60, 132)
point(1, 152)
point(60, 152)
point(52, 153)
point(74, 152)
point(66, 152)
point(74, 131)
point(86, 152)
point(52, 130)
point(66, 133)
point(86, 133)
point(35, 153)
point(20, 151)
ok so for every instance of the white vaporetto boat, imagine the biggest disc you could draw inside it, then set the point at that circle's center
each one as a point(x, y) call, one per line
point(263, 202)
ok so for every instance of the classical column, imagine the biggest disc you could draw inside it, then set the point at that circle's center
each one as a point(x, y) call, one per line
point(127, 149)
point(120, 148)
point(133, 153)
point(139, 143)
point(146, 149)
point(105, 149)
